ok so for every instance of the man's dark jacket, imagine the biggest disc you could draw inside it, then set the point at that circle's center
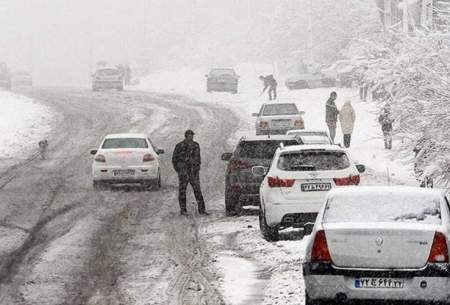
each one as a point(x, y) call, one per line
point(186, 157)
point(269, 81)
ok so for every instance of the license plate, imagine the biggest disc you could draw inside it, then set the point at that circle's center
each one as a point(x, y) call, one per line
point(384, 283)
point(281, 124)
point(315, 187)
point(123, 172)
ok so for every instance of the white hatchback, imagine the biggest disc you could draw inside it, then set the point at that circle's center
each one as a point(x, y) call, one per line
point(126, 158)
point(379, 243)
point(300, 176)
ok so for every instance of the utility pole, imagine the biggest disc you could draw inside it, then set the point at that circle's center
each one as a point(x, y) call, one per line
point(405, 17)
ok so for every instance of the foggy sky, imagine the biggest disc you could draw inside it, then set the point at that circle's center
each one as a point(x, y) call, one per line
point(61, 40)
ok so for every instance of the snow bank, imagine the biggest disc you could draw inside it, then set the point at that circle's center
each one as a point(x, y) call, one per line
point(22, 123)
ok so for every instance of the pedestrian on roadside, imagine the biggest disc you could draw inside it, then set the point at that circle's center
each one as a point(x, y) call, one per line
point(271, 83)
point(43, 146)
point(186, 161)
point(331, 115)
point(385, 120)
point(347, 119)
point(363, 85)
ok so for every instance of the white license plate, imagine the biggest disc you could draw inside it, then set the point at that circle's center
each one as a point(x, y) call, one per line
point(381, 283)
point(282, 124)
point(123, 172)
point(315, 187)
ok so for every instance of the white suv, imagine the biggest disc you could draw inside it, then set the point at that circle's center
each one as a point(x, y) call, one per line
point(295, 186)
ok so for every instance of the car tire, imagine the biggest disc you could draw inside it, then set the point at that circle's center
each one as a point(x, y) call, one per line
point(269, 233)
point(309, 301)
point(98, 185)
point(232, 207)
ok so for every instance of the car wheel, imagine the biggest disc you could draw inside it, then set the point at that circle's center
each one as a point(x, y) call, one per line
point(98, 185)
point(309, 301)
point(269, 233)
point(232, 207)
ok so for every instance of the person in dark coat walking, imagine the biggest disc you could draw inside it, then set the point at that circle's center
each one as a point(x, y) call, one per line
point(386, 121)
point(331, 115)
point(186, 161)
point(271, 83)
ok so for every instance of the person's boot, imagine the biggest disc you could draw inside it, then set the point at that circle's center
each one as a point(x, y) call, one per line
point(183, 213)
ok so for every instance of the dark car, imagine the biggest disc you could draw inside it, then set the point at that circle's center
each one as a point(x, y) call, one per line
point(241, 186)
point(222, 79)
point(310, 81)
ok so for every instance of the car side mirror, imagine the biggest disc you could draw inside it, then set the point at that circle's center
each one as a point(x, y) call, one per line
point(160, 151)
point(301, 112)
point(94, 152)
point(259, 171)
point(255, 114)
point(227, 156)
point(361, 168)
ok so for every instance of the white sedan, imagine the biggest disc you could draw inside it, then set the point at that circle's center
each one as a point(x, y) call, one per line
point(126, 158)
point(311, 136)
point(300, 176)
point(379, 243)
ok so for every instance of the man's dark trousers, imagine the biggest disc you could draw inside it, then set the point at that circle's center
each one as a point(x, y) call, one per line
point(192, 177)
point(273, 92)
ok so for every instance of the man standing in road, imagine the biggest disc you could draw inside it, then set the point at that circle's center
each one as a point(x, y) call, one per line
point(271, 83)
point(186, 162)
point(385, 120)
point(331, 115)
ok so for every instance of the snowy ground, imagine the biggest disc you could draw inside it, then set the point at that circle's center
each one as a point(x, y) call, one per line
point(244, 261)
point(22, 123)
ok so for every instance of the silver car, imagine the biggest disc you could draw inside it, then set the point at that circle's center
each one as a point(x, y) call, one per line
point(278, 118)
point(379, 243)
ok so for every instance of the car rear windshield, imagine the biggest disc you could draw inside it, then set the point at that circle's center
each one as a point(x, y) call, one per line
point(218, 72)
point(389, 207)
point(108, 72)
point(313, 160)
point(124, 143)
point(280, 109)
point(260, 149)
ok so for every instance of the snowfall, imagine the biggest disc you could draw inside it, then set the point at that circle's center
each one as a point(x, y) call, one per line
point(243, 261)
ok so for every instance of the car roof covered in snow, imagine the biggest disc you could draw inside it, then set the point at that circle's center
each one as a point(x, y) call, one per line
point(269, 138)
point(376, 190)
point(279, 102)
point(308, 131)
point(126, 135)
point(328, 147)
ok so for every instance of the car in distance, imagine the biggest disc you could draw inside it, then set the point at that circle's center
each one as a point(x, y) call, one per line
point(278, 118)
point(222, 80)
point(22, 79)
point(107, 78)
point(241, 186)
point(309, 81)
point(379, 243)
point(294, 187)
point(126, 158)
point(309, 137)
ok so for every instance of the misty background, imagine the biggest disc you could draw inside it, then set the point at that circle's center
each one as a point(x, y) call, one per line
point(60, 41)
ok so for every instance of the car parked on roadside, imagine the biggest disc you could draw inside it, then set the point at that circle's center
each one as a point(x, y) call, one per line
point(22, 79)
point(296, 183)
point(309, 81)
point(278, 118)
point(241, 186)
point(222, 80)
point(309, 137)
point(107, 78)
point(126, 158)
point(379, 243)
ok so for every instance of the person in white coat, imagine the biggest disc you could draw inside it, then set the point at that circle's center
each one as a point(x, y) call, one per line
point(347, 119)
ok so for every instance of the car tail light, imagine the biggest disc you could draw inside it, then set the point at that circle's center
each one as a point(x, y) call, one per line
point(100, 158)
point(439, 250)
point(299, 124)
point(263, 124)
point(237, 164)
point(320, 251)
point(277, 182)
point(148, 158)
point(350, 180)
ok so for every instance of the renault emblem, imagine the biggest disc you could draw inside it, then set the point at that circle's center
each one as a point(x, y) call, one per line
point(379, 241)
